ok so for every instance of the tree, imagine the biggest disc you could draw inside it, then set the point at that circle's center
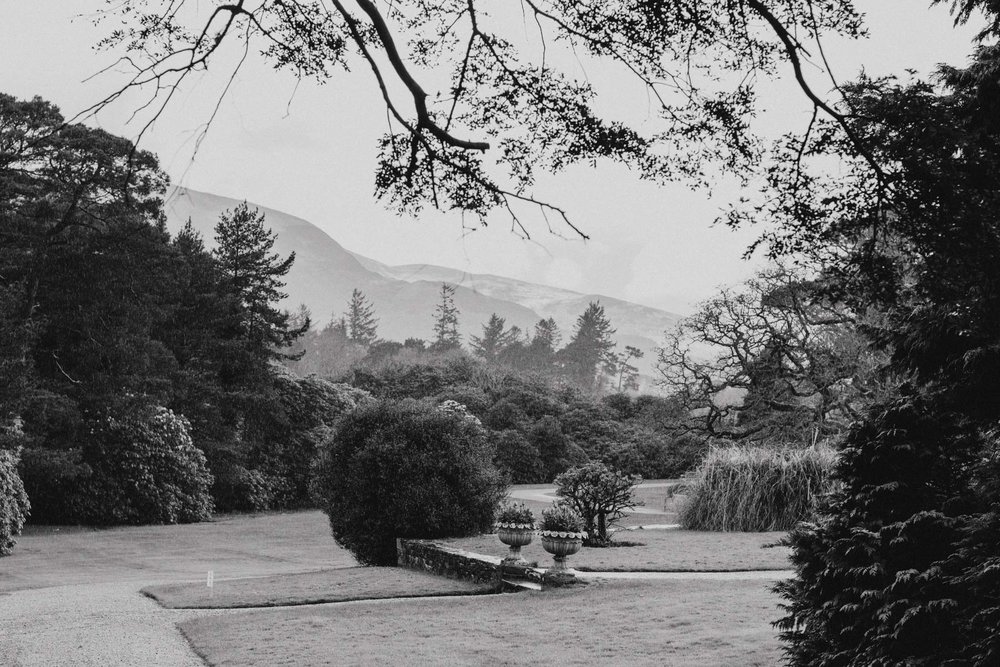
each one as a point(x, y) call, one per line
point(508, 107)
point(628, 375)
point(253, 273)
point(600, 496)
point(446, 336)
point(775, 359)
point(496, 339)
point(590, 352)
point(361, 323)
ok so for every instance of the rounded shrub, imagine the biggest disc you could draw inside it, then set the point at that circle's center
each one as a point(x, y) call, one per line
point(405, 469)
point(14, 506)
point(145, 469)
point(755, 489)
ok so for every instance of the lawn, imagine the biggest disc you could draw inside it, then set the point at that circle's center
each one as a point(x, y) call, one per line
point(342, 585)
point(661, 551)
point(637, 623)
point(231, 546)
point(657, 507)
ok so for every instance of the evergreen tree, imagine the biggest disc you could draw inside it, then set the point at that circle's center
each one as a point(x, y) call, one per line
point(446, 336)
point(590, 352)
point(547, 336)
point(495, 339)
point(628, 374)
point(253, 273)
point(361, 322)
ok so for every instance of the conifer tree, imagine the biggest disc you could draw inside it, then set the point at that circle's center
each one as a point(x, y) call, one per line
point(361, 323)
point(253, 273)
point(446, 336)
point(495, 339)
point(590, 352)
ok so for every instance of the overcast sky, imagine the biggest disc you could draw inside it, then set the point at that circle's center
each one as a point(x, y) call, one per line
point(310, 151)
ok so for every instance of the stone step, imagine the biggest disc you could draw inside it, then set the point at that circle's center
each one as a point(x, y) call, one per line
point(516, 583)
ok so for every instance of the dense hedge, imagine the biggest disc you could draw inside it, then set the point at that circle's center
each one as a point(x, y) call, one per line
point(14, 505)
point(756, 488)
point(405, 469)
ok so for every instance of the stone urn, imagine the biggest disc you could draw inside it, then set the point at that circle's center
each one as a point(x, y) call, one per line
point(561, 545)
point(515, 536)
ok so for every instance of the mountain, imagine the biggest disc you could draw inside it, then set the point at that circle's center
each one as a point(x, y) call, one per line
point(325, 273)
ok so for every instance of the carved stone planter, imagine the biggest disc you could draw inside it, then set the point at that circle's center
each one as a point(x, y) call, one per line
point(561, 545)
point(515, 536)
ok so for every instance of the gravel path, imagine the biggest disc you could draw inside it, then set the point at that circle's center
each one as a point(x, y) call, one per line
point(92, 624)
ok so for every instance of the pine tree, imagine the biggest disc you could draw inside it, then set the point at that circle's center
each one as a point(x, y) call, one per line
point(628, 375)
point(446, 321)
point(590, 352)
point(547, 335)
point(361, 322)
point(495, 339)
point(253, 273)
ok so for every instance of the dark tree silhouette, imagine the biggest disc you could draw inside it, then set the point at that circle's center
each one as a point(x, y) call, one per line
point(446, 336)
point(361, 323)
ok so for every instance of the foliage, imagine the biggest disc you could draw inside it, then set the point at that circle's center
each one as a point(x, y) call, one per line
point(404, 469)
point(754, 489)
point(446, 336)
point(555, 449)
point(590, 351)
point(517, 458)
point(496, 339)
point(361, 323)
point(774, 360)
point(253, 273)
point(145, 469)
point(562, 518)
point(600, 495)
point(515, 513)
point(14, 505)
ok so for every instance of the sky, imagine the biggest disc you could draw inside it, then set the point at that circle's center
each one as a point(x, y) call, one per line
point(310, 150)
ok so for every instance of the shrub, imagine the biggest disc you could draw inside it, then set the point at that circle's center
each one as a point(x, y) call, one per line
point(145, 469)
point(405, 469)
point(561, 518)
point(286, 439)
point(517, 458)
point(599, 495)
point(557, 452)
point(755, 488)
point(14, 506)
point(52, 479)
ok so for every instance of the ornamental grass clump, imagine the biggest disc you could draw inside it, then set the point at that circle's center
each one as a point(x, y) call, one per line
point(754, 489)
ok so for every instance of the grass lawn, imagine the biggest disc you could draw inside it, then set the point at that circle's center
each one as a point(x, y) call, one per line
point(674, 623)
point(662, 550)
point(231, 546)
point(355, 583)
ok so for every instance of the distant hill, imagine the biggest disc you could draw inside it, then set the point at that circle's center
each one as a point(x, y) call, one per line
point(404, 296)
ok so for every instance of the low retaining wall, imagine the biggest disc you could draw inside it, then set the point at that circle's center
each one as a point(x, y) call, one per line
point(428, 556)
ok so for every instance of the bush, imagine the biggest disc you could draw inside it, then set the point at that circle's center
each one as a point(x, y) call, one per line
point(144, 470)
point(405, 469)
point(286, 440)
point(52, 479)
point(517, 458)
point(14, 506)
point(517, 514)
point(756, 489)
point(600, 496)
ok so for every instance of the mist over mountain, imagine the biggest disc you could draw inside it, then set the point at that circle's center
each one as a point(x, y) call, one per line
point(325, 273)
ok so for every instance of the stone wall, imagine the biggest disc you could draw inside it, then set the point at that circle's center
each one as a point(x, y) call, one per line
point(440, 559)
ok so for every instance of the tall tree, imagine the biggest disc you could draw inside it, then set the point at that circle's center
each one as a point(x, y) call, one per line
point(253, 272)
point(446, 336)
point(362, 325)
point(628, 374)
point(590, 352)
point(496, 338)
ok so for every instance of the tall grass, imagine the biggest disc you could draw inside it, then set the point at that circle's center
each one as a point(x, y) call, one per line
point(751, 489)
